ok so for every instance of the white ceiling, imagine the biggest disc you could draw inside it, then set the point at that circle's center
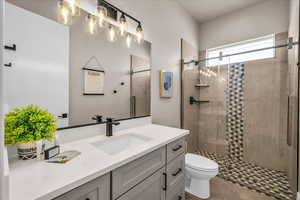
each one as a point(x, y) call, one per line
point(205, 10)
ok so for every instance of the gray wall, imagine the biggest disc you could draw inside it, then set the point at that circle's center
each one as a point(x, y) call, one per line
point(265, 18)
point(115, 60)
point(165, 23)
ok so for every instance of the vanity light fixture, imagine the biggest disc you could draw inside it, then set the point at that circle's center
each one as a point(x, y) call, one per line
point(102, 14)
point(111, 33)
point(74, 7)
point(70, 8)
point(122, 24)
point(92, 23)
point(64, 13)
point(128, 40)
point(139, 33)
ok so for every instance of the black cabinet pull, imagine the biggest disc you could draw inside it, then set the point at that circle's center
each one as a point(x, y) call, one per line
point(12, 48)
point(177, 148)
point(63, 116)
point(87, 199)
point(179, 197)
point(177, 172)
point(165, 177)
point(8, 65)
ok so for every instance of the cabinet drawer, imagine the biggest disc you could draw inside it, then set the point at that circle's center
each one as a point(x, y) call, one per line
point(176, 192)
point(90, 196)
point(149, 189)
point(97, 189)
point(127, 176)
point(176, 171)
point(175, 148)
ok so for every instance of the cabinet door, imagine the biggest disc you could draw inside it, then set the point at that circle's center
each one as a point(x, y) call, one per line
point(150, 189)
point(129, 175)
point(176, 192)
point(98, 189)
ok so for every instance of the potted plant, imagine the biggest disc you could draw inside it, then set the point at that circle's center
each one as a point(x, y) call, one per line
point(25, 126)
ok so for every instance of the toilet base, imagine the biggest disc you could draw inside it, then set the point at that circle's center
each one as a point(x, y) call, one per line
point(198, 188)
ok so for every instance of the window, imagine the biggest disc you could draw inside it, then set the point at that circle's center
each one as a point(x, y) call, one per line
point(258, 43)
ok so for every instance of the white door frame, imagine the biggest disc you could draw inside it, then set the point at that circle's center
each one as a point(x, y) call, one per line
point(4, 186)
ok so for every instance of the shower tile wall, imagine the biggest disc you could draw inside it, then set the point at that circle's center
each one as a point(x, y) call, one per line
point(235, 111)
point(266, 103)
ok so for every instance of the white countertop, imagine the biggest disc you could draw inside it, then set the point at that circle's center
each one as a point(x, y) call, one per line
point(38, 180)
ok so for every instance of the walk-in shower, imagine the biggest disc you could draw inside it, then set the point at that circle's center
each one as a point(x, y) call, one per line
point(239, 102)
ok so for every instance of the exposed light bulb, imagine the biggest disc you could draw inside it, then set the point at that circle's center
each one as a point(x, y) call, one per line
point(139, 33)
point(102, 15)
point(64, 12)
point(112, 33)
point(74, 7)
point(122, 24)
point(128, 40)
point(92, 20)
point(65, 15)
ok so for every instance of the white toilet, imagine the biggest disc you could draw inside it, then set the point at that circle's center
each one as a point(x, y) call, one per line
point(199, 171)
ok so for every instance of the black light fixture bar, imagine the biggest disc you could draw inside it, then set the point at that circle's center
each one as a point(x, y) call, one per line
point(118, 9)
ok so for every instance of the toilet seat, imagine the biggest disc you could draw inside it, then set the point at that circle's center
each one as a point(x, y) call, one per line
point(200, 163)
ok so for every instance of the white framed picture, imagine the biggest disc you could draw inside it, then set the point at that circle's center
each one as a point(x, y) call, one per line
point(93, 81)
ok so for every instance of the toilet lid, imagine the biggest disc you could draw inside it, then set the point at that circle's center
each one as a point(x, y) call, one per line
point(200, 163)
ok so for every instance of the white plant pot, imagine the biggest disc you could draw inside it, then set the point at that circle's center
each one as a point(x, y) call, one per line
point(26, 151)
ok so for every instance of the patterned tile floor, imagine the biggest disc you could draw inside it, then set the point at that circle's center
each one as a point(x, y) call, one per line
point(270, 182)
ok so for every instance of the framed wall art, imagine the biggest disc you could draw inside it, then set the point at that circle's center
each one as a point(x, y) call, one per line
point(166, 84)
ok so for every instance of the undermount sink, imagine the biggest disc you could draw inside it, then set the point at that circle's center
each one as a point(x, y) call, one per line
point(117, 144)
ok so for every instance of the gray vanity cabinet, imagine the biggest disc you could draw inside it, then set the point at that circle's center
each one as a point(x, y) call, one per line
point(98, 189)
point(129, 175)
point(175, 170)
point(150, 189)
point(167, 166)
point(158, 175)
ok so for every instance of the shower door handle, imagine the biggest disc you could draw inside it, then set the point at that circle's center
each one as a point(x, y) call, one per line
point(288, 138)
point(133, 106)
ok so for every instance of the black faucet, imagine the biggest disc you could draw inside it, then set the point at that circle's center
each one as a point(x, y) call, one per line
point(97, 118)
point(109, 126)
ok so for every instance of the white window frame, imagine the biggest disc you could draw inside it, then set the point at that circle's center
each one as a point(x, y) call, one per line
point(247, 45)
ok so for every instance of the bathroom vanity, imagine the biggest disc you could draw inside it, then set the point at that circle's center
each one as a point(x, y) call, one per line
point(146, 162)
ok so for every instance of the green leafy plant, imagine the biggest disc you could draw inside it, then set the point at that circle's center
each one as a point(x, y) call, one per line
point(29, 124)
